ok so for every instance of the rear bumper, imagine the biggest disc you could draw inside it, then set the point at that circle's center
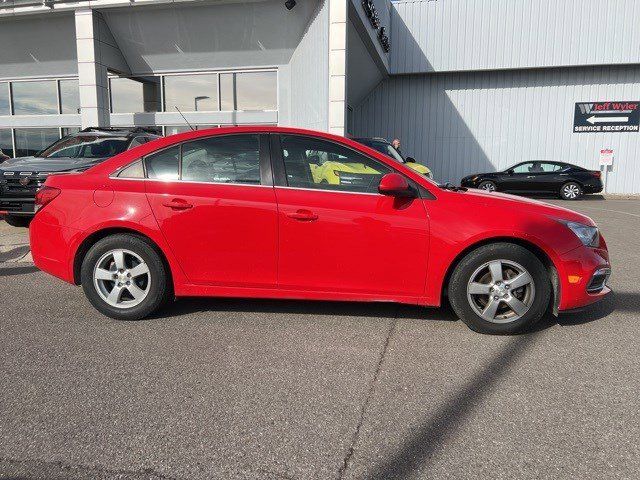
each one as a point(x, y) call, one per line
point(51, 248)
point(581, 282)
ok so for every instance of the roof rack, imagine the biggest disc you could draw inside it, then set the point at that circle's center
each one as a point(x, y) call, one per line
point(117, 129)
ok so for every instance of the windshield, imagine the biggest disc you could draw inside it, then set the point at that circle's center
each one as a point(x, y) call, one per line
point(86, 146)
point(383, 147)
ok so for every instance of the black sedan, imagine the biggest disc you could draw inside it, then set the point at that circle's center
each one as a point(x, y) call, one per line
point(568, 181)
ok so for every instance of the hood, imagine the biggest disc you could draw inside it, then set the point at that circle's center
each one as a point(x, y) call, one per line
point(49, 165)
point(505, 201)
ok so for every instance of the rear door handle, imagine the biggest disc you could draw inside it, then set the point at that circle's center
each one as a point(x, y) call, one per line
point(303, 216)
point(178, 204)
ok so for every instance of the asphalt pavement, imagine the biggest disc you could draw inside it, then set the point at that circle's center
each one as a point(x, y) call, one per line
point(250, 389)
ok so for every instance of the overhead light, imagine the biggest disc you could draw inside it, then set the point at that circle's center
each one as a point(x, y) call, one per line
point(290, 4)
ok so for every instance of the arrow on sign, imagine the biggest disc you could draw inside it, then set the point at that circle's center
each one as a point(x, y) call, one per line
point(593, 119)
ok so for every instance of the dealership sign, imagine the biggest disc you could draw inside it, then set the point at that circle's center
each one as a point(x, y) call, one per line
point(595, 117)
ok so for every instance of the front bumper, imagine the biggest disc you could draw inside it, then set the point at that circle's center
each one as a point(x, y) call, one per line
point(584, 273)
point(18, 206)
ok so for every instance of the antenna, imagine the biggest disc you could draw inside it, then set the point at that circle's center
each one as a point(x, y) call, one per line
point(185, 119)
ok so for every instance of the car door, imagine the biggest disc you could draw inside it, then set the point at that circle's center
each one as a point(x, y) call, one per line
point(342, 235)
point(551, 177)
point(215, 204)
point(518, 178)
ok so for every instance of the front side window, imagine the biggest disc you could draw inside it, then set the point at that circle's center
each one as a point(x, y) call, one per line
point(225, 159)
point(35, 98)
point(523, 168)
point(320, 164)
point(164, 165)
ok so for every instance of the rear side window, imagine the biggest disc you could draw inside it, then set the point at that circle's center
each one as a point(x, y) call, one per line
point(164, 165)
point(135, 170)
point(227, 159)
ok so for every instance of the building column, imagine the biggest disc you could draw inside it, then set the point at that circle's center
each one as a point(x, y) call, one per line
point(92, 75)
point(337, 66)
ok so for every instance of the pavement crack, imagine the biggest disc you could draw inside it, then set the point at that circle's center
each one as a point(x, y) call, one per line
point(363, 411)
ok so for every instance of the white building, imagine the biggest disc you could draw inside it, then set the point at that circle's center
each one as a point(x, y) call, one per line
point(467, 85)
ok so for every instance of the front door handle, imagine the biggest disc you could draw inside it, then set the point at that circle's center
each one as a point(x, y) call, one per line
point(531, 176)
point(303, 216)
point(178, 204)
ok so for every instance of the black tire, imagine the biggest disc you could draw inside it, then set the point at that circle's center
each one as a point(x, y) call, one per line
point(488, 185)
point(160, 290)
point(508, 252)
point(571, 191)
point(17, 221)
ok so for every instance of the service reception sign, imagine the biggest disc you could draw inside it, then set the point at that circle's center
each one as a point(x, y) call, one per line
point(607, 117)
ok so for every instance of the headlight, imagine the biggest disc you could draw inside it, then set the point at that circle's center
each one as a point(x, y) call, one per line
point(588, 235)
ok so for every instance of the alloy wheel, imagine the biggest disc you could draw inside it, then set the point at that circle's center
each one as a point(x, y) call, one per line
point(501, 291)
point(488, 186)
point(571, 191)
point(122, 278)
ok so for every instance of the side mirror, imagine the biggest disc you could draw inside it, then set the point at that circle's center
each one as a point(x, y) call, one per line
point(510, 171)
point(410, 160)
point(395, 185)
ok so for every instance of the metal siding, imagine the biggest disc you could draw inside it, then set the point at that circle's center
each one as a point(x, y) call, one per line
point(455, 35)
point(309, 64)
point(468, 122)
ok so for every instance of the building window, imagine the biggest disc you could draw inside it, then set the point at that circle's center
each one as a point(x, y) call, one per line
point(191, 93)
point(69, 96)
point(174, 129)
point(30, 141)
point(134, 95)
point(256, 91)
point(35, 98)
point(4, 99)
point(69, 130)
point(249, 91)
point(6, 143)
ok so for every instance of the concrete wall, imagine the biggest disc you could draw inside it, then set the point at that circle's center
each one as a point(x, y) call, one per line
point(450, 35)
point(200, 36)
point(467, 122)
point(309, 73)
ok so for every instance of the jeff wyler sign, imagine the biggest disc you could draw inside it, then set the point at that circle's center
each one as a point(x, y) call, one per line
point(607, 117)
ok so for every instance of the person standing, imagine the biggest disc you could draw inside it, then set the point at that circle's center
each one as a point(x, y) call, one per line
point(396, 145)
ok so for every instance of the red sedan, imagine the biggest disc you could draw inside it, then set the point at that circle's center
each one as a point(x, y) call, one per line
point(288, 213)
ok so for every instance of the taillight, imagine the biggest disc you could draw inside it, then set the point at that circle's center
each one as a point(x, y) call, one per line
point(596, 174)
point(45, 195)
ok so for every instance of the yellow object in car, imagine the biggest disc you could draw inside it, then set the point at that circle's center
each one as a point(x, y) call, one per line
point(421, 169)
point(336, 173)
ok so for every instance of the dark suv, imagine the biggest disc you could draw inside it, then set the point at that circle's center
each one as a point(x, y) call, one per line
point(21, 177)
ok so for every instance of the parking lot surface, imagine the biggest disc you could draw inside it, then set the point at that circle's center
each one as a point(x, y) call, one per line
point(295, 390)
